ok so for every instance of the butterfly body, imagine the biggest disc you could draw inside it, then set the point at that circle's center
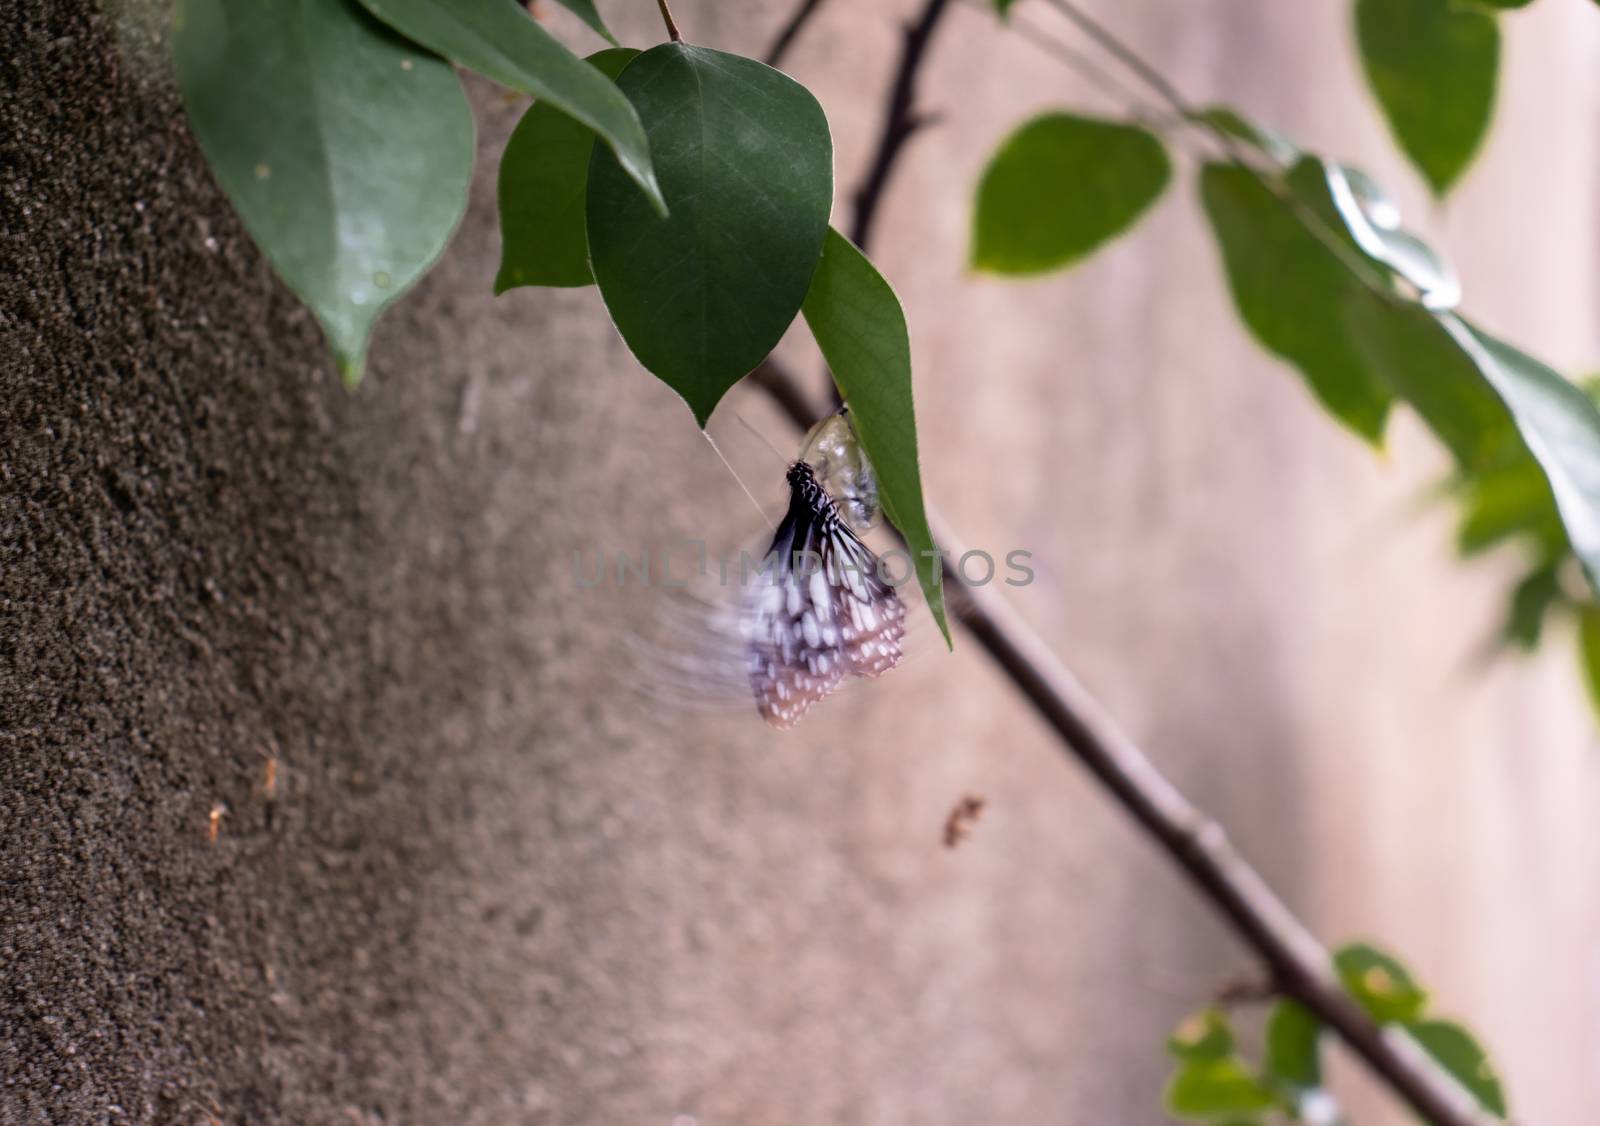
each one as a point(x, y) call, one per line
point(820, 610)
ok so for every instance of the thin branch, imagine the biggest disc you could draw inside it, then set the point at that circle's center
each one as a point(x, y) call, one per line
point(791, 31)
point(1125, 55)
point(1300, 967)
point(900, 119)
point(666, 17)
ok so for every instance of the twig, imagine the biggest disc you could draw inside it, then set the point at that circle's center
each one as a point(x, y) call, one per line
point(1300, 967)
point(900, 119)
point(666, 17)
point(791, 31)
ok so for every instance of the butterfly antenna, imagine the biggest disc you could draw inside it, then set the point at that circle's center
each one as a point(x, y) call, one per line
point(712, 442)
point(762, 438)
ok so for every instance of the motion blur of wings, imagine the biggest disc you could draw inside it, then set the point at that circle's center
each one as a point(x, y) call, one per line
point(820, 611)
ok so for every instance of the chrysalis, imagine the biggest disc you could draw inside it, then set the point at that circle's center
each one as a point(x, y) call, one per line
point(821, 611)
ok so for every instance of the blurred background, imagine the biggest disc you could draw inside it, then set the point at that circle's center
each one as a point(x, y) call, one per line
point(330, 796)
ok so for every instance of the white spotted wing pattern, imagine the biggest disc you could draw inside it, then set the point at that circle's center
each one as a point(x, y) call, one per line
point(819, 611)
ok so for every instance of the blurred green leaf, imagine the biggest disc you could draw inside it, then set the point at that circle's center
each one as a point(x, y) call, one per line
point(544, 173)
point(1379, 983)
point(1204, 1035)
point(1269, 142)
point(1560, 425)
point(1416, 357)
point(861, 330)
point(1589, 652)
point(1003, 7)
point(1455, 1050)
point(1204, 1090)
point(1506, 501)
point(586, 11)
point(1370, 215)
point(1432, 65)
point(1058, 188)
point(1531, 600)
point(1292, 1044)
point(1290, 289)
point(500, 41)
point(1508, 4)
point(746, 163)
point(345, 150)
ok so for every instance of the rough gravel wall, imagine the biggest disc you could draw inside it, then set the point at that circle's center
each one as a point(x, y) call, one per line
point(463, 875)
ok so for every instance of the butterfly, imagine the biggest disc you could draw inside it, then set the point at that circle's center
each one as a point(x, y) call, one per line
point(821, 611)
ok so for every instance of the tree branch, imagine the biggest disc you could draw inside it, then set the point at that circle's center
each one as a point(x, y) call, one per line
point(900, 119)
point(791, 31)
point(1300, 967)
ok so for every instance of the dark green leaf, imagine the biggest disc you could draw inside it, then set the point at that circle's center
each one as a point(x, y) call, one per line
point(1293, 1036)
point(1560, 425)
point(346, 151)
point(1290, 289)
point(746, 164)
point(1589, 652)
point(1202, 1036)
point(500, 41)
point(1209, 1089)
point(1414, 355)
point(586, 11)
point(1532, 599)
point(1510, 500)
point(1059, 187)
point(1455, 1050)
point(1003, 7)
point(1270, 143)
point(1381, 984)
point(858, 324)
point(543, 176)
point(1433, 66)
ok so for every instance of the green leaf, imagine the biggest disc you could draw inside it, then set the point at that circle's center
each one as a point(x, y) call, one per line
point(1433, 66)
point(1411, 352)
point(1210, 1089)
point(1270, 143)
point(1059, 187)
point(746, 163)
point(1560, 425)
point(586, 11)
point(346, 151)
point(1589, 652)
point(1531, 600)
point(1290, 290)
point(1455, 1050)
point(544, 173)
point(1508, 501)
point(1379, 983)
point(1292, 1042)
point(858, 324)
point(1003, 7)
point(1202, 1036)
point(1507, 4)
point(1372, 219)
point(500, 41)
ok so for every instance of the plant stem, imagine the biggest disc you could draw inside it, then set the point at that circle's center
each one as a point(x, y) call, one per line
point(791, 31)
point(1300, 967)
point(666, 17)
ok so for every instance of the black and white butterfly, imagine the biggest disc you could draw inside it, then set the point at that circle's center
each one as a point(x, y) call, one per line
point(820, 611)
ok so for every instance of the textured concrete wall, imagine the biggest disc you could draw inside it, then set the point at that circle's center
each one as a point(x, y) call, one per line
point(488, 882)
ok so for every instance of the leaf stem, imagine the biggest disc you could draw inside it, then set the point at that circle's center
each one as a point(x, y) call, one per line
point(666, 17)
